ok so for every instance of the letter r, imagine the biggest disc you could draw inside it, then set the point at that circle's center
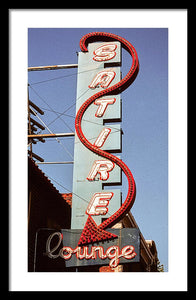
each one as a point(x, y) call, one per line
point(102, 167)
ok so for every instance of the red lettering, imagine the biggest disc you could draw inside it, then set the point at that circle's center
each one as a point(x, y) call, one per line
point(105, 52)
point(113, 252)
point(102, 167)
point(102, 79)
point(98, 203)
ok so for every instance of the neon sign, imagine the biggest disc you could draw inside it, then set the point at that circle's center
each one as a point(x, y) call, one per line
point(60, 248)
point(107, 82)
point(113, 253)
point(93, 208)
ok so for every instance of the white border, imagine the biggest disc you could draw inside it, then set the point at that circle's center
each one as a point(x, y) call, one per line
point(176, 278)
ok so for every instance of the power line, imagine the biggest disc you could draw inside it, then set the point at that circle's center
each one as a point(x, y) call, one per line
point(84, 120)
point(69, 107)
point(83, 199)
point(64, 76)
point(53, 133)
point(50, 107)
point(56, 78)
point(59, 114)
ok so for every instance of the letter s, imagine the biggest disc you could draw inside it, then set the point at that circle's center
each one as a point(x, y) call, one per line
point(105, 52)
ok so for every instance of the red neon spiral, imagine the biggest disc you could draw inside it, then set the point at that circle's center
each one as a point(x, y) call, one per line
point(113, 90)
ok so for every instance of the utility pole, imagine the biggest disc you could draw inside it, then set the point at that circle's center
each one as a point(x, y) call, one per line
point(29, 123)
point(32, 124)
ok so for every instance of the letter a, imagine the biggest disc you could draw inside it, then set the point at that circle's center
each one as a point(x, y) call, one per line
point(102, 79)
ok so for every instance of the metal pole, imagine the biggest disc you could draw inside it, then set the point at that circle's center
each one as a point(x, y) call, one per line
point(36, 156)
point(55, 67)
point(55, 162)
point(29, 124)
point(50, 135)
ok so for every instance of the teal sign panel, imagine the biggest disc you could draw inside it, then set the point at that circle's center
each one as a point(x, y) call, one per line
point(100, 127)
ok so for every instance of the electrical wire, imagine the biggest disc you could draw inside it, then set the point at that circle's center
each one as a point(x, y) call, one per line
point(56, 78)
point(50, 108)
point(58, 114)
point(53, 133)
point(83, 199)
point(64, 113)
point(69, 107)
point(85, 120)
point(64, 76)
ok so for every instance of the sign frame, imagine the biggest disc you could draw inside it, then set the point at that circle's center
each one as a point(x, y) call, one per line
point(58, 248)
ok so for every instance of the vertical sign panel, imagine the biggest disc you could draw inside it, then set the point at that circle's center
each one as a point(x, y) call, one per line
point(97, 70)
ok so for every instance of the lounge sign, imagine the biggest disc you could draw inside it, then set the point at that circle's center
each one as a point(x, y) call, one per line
point(62, 247)
point(91, 240)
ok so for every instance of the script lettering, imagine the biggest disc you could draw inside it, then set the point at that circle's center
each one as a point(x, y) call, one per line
point(113, 252)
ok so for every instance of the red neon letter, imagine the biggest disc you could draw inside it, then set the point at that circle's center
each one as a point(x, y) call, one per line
point(105, 52)
point(103, 104)
point(103, 167)
point(98, 203)
point(102, 79)
point(102, 137)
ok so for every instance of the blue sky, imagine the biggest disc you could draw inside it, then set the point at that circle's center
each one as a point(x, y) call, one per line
point(144, 117)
